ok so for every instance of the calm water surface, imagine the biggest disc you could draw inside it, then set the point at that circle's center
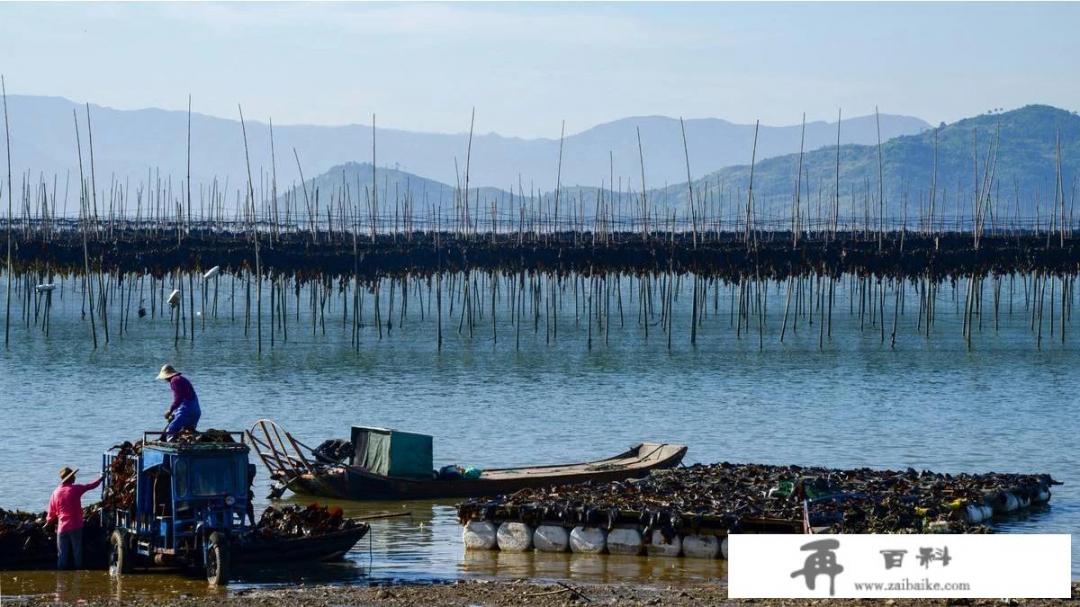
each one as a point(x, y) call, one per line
point(1003, 406)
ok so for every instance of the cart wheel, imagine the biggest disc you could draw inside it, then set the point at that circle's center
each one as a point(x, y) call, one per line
point(120, 557)
point(217, 560)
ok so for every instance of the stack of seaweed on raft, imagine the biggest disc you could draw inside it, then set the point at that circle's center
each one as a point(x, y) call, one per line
point(733, 498)
point(24, 533)
point(295, 521)
point(26, 541)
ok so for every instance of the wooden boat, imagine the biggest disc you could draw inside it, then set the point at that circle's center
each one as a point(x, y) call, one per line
point(314, 548)
point(299, 469)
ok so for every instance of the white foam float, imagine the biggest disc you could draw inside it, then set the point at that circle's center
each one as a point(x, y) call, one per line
point(174, 298)
point(514, 537)
point(977, 513)
point(212, 272)
point(624, 540)
point(551, 538)
point(700, 546)
point(479, 535)
point(45, 288)
point(659, 546)
point(588, 540)
point(1042, 496)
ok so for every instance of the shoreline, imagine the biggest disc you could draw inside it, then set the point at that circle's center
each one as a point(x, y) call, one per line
point(497, 593)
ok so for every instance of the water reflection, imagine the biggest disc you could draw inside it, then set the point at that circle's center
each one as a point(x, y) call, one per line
point(592, 568)
point(71, 586)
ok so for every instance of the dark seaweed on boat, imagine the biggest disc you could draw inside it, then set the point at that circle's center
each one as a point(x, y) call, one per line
point(333, 451)
point(726, 496)
point(302, 521)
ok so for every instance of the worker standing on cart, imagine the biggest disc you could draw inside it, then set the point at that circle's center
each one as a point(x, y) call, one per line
point(65, 508)
point(184, 412)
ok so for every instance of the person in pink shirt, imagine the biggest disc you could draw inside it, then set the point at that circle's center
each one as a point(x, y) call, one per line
point(65, 508)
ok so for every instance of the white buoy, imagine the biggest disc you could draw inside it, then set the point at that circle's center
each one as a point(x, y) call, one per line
point(479, 535)
point(624, 541)
point(700, 546)
point(212, 272)
point(514, 537)
point(588, 540)
point(174, 298)
point(1042, 496)
point(45, 288)
point(551, 538)
point(659, 546)
point(973, 514)
point(1025, 501)
point(723, 548)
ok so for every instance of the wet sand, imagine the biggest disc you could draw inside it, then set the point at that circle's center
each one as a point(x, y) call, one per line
point(503, 593)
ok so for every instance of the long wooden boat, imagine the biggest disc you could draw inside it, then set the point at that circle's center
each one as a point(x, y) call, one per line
point(302, 473)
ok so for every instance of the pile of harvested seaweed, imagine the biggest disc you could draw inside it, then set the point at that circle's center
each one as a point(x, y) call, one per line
point(24, 531)
point(296, 521)
point(26, 539)
point(730, 496)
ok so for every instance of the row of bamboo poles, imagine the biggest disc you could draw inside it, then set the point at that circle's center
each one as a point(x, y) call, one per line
point(157, 221)
point(496, 305)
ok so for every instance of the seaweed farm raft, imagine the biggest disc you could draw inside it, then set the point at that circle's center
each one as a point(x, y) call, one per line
point(690, 511)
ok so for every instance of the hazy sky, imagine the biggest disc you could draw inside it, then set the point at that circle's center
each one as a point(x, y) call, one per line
point(526, 67)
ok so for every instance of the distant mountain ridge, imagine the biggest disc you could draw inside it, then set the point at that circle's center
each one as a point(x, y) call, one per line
point(1025, 165)
point(129, 144)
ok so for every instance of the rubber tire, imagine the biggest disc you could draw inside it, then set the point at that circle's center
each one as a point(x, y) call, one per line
point(218, 563)
point(120, 556)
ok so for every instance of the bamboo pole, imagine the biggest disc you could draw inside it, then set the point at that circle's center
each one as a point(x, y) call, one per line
point(254, 233)
point(10, 219)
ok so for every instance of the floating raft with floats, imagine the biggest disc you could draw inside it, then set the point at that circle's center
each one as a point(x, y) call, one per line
point(691, 511)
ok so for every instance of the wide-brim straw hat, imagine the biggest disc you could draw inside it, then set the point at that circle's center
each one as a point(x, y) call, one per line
point(66, 473)
point(167, 372)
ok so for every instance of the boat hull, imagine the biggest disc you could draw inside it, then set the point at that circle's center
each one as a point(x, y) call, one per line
point(353, 483)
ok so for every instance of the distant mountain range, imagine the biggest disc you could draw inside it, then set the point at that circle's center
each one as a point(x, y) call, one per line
point(1025, 164)
point(130, 143)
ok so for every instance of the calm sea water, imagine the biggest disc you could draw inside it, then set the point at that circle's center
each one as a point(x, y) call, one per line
point(1002, 406)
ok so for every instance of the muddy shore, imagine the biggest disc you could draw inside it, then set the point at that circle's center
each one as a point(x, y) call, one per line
point(518, 592)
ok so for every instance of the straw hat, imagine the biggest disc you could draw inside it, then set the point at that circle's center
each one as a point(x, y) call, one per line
point(66, 473)
point(167, 372)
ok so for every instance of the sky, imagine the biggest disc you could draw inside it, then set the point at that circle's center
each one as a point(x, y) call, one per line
point(527, 67)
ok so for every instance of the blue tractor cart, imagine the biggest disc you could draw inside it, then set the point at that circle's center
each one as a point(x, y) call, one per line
point(189, 506)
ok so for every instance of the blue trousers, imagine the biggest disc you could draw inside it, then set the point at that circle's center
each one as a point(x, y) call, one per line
point(69, 550)
point(185, 416)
